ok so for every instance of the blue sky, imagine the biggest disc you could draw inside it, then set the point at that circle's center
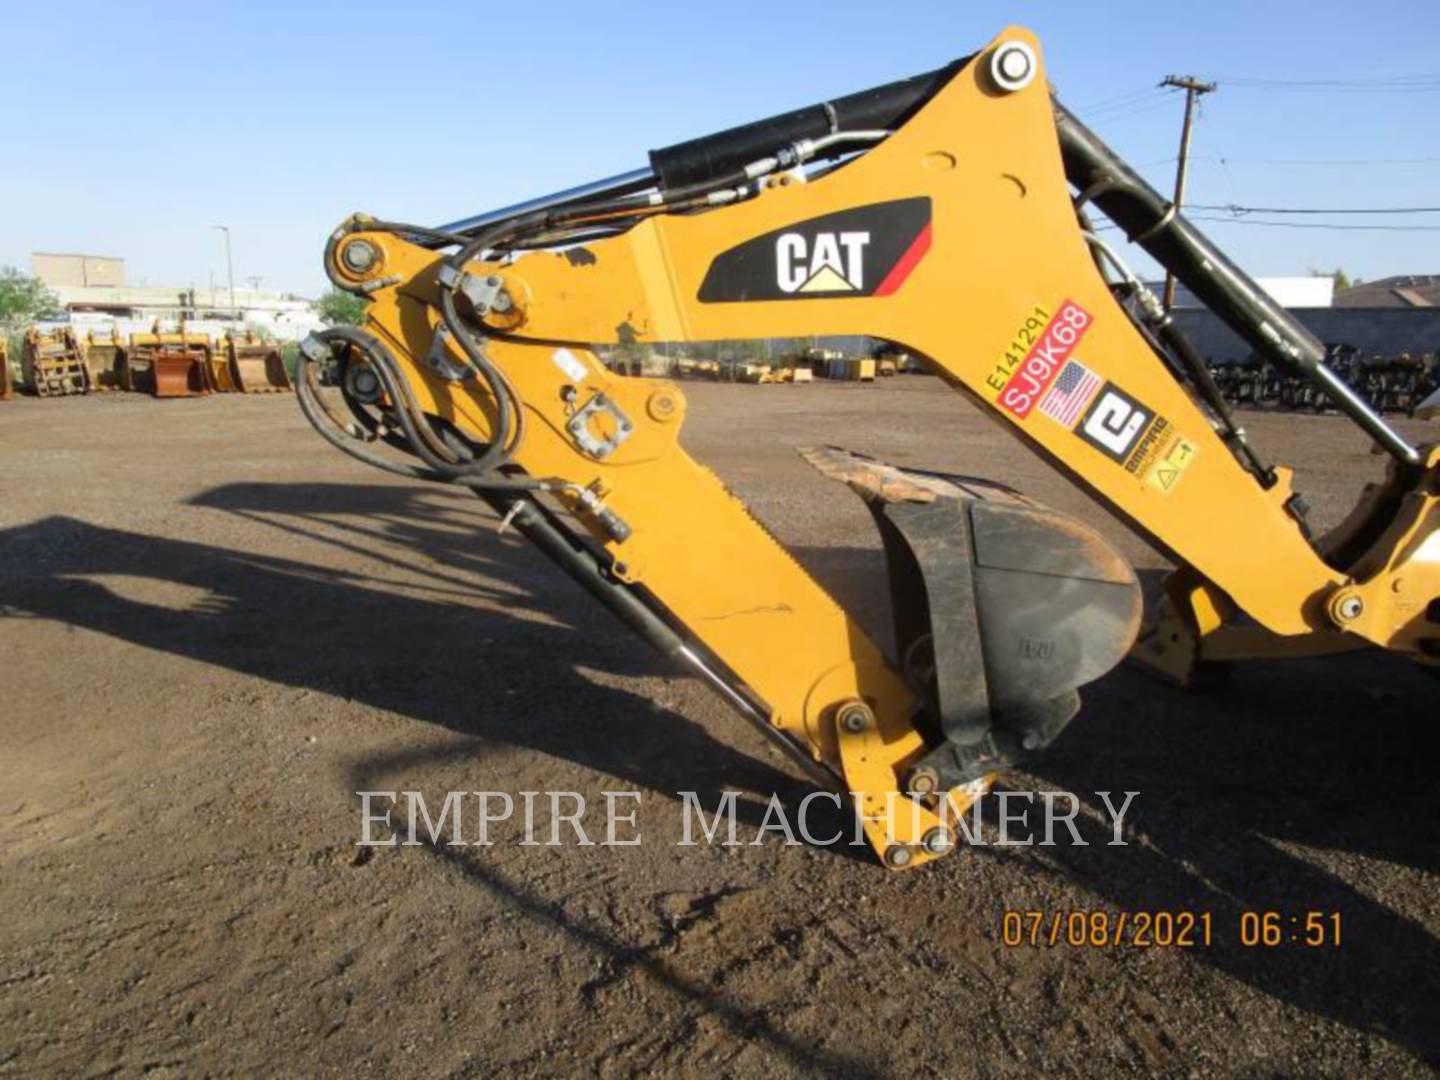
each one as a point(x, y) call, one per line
point(132, 128)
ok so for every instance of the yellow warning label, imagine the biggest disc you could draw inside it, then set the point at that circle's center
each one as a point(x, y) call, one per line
point(1166, 471)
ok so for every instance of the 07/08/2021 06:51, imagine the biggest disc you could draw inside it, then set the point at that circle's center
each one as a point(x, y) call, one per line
point(1167, 929)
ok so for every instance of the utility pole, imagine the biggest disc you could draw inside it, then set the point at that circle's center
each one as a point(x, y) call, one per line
point(1194, 90)
point(230, 266)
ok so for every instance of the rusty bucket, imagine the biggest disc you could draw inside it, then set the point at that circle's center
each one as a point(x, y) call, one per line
point(256, 364)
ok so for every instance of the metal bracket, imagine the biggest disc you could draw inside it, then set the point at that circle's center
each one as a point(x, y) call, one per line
point(585, 437)
point(481, 292)
point(323, 357)
point(439, 360)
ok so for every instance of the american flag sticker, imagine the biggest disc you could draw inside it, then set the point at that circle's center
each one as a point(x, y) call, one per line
point(1069, 394)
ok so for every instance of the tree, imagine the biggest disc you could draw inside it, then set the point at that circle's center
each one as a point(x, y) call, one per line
point(340, 308)
point(23, 299)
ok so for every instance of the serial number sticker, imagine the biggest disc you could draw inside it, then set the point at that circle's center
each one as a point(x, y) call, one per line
point(572, 368)
point(1020, 345)
point(1166, 472)
point(1031, 377)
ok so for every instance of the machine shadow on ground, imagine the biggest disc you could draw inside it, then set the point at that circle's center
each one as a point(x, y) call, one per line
point(505, 671)
point(1324, 753)
point(1331, 753)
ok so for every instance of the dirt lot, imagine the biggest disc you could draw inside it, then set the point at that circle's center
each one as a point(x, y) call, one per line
point(216, 630)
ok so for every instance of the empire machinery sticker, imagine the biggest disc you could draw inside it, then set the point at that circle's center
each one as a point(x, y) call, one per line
point(1132, 434)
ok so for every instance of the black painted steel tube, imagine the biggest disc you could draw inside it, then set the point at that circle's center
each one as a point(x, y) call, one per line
point(1148, 219)
point(879, 108)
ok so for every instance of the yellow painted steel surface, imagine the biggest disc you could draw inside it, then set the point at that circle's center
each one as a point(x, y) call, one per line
point(1002, 276)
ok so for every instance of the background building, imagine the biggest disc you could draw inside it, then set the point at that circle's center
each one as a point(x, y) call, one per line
point(93, 291)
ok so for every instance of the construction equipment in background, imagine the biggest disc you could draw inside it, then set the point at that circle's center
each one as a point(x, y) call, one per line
point(887, 353)
point(256, 365)
point(168, 364)
point(180, 372)
point(951, 213)
point(851, 369)
point(53, 364)
point(793, 375)
point(102, 350)
point(219, 375)
point(7, 378)
point(1386, 383)
point(818, 360)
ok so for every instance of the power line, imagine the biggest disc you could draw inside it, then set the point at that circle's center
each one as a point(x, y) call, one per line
point(1107, 122)
point(1233, 209)
point(1334, 162)
point(1394, 84)
point(1116, 101)
point(1326, 227)
point(1135, 101)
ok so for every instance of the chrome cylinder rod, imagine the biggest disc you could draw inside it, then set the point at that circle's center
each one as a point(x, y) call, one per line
point(610, 187)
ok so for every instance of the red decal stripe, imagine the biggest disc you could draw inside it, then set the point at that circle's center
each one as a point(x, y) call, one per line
point(901, 270)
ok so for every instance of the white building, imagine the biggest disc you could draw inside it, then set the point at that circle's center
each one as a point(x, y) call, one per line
point(92, 290)
point(1288, 292)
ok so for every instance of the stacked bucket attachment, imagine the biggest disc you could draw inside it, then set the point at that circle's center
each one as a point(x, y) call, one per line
point(102, 351)
point(255, 364)
point(1001, 606)
point(54, 364)
point(218, 375)
point(167, 365)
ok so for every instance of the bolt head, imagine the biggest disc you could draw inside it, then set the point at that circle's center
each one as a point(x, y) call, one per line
point(939, 841)
point(359, 256)
point(899, 856)
point(923, 781)
point(1013, 66)
point(854, 718)
point(1352, 607)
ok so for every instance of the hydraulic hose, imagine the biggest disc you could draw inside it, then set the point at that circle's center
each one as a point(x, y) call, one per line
point(411, 421)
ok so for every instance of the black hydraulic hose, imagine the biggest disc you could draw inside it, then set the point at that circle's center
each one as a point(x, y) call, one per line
point(1177, 342)
point(428, 449)
point(312, 408)
point(406, 410)
point(498, 452)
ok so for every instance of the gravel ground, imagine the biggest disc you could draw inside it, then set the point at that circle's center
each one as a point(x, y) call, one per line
point(214, 630)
